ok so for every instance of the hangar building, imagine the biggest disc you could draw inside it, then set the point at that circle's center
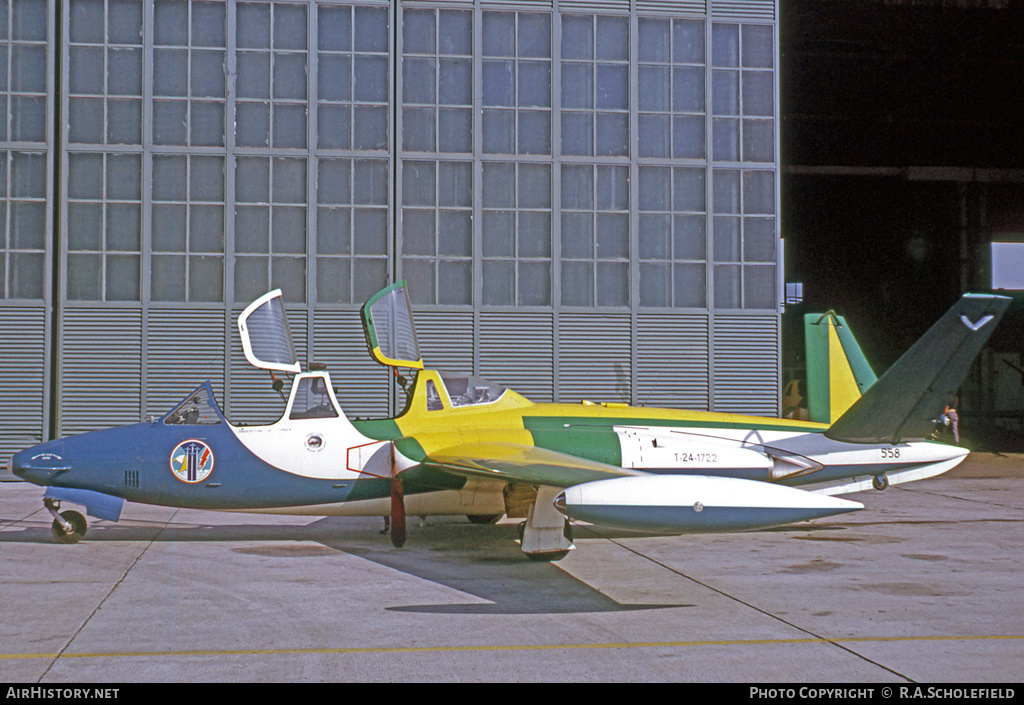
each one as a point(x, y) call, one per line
point(583, 197)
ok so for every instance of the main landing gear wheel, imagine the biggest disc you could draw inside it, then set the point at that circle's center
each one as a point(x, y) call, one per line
point(880, 482)
point(547, 557)
point(78, 525)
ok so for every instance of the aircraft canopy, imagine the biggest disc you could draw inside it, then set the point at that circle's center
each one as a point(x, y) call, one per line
point(390, 333)
point(468, 390)
point(266, 339)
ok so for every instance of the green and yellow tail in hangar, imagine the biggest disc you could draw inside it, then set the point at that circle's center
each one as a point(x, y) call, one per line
point(837, 371)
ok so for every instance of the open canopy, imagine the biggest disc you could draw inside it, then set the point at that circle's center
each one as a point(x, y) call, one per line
point(390, 334)
point(266, 339)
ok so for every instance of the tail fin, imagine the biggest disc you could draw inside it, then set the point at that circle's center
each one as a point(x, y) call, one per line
point(905, 402)
point(837, 372)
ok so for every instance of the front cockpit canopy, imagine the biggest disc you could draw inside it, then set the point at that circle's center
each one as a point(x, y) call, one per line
point(198, 409)
point(266, 338)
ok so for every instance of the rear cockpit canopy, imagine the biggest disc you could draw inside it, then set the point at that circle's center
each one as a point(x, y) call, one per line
point(390, 333)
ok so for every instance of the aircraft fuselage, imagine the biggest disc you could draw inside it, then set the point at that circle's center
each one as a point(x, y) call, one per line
point(330, 465)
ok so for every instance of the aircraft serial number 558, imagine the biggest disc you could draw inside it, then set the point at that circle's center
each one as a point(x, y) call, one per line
point(890, 452)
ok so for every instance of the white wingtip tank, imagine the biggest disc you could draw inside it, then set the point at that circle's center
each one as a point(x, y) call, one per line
point(686, 504)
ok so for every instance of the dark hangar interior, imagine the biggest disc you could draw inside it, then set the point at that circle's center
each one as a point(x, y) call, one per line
point(902, 159)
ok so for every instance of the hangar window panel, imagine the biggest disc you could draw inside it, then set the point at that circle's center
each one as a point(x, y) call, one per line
point(758, 46)
point(595, 235)
point(437, 81)
point(24, 67)
point(727, 239)
point(670, 88)
point(688, 41)
point(595, 85)
point(747, 93)
point(104, 73)
point(353, 78)
point(744, 239)
point(655, 284)
point(759, 240)
point(725, 139)
point(672, 236)
point(270, 110)
point(759, 282)
point(689, 282)
point(728, 286)
point(516, 234)
point(516, 83)
point(270, 227)
point(23, 212)
point(104, 227)
point(436, 230)
point(25, 272)
point(187, 228)
point(758, 141)
point(352, 228)
point(189, 73)
point(725, 45)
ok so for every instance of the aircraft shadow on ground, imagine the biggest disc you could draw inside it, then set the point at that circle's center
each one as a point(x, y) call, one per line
point(482, 561)
point(486, 562)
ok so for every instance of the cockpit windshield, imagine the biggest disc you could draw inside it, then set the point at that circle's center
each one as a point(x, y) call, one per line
point(467, 390)
point(312, 400)
point(199, 409)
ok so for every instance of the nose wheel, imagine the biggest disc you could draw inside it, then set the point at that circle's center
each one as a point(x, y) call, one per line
point(68, 526)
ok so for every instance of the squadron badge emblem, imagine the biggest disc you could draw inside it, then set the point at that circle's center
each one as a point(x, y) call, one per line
point(192, 461)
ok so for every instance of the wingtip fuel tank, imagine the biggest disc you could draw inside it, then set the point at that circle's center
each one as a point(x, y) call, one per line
point(684, 504)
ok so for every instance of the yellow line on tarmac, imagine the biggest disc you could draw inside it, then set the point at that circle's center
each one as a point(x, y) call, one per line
point(495, 647)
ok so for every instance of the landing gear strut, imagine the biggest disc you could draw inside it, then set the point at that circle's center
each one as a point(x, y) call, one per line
point(68, 526)
point(397, 523)
point(546, 535)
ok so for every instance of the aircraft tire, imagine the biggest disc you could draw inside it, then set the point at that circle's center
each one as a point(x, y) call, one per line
point(484, 518)
point(547, 556)
point(880, 482)
point(76, 520)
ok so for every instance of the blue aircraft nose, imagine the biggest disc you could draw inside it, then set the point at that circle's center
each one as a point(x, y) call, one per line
point(38, 465)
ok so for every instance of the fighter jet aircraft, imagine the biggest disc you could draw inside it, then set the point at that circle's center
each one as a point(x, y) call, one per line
point(467, 446)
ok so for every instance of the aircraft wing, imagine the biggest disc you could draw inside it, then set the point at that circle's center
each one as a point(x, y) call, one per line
point(515, 462)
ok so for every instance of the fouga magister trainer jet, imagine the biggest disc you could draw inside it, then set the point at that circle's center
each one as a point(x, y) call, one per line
point(467, 446)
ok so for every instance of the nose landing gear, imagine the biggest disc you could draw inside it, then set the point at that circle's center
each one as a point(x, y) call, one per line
point(68, 526)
